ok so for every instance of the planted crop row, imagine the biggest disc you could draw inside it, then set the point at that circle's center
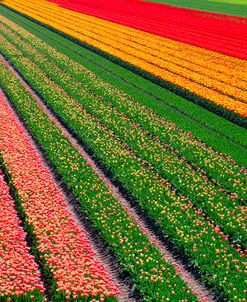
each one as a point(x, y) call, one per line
point(61, 246)
point(173, 76)
point(205, 196)
point(191, 233)
point(19, 274)
point(214, 130)
point(151, 274)
point(217, 166)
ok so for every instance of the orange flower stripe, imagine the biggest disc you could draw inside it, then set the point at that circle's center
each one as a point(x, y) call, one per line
point(216, 77)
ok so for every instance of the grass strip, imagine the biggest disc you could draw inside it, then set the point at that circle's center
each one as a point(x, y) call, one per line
point(229, 7)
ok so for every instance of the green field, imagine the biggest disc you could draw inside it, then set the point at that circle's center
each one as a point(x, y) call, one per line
point(230, 7)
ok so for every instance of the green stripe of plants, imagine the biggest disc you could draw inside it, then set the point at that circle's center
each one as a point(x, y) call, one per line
point(206, 196)
point(231, 7)
point(108, 71)
point(190, 232)
point(32, 238)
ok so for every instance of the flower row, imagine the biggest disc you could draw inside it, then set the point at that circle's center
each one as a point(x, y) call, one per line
point(61, 244)
point(19, 274)
point(224, 210)
point(204, 244)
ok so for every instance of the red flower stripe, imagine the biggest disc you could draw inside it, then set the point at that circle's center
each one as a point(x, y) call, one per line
point(217, 32)
point(61, 243)
point(19, 274)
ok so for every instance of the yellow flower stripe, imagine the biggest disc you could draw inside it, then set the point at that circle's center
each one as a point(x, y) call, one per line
point(213, 76)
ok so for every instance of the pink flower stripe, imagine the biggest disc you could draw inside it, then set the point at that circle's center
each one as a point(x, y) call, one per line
point(19, 274)
point(61, 243)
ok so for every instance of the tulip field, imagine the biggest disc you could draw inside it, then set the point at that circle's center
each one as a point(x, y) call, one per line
point(123, 162)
